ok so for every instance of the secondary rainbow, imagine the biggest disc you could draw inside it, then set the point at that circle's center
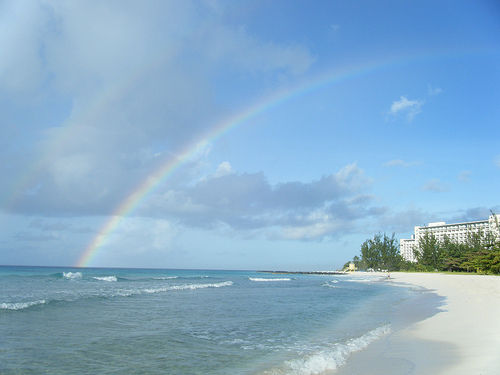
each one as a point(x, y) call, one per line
point(160, 175)
point(261, 106)
point(154, 180)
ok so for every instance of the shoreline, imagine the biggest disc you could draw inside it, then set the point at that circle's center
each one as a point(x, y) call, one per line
point(463, 337)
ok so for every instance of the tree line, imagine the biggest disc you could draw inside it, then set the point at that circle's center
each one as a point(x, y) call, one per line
point(479, 253)
point(379, 253)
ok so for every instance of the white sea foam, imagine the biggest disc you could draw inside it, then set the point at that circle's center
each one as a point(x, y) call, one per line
point(329, 285)
point(20, 305)
point(107, 278)
point(201, 286)
point(181, 277)
point(264, 279)
point(72, 275)
point(310, 336)
point(188, 287)
point(334, 357)
point(166, 278)
point(367, 280)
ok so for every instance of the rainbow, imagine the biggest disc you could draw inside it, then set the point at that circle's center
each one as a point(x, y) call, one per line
point(263, 105)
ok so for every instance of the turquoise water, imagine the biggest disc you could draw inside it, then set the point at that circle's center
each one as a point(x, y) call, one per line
point(138, 321)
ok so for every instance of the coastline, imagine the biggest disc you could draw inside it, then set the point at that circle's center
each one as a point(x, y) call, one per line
point(462, 338)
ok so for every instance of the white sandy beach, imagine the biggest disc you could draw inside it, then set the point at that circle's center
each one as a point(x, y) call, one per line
point(464, 338)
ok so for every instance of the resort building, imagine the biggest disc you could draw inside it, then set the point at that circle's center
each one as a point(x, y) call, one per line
point(456, 232)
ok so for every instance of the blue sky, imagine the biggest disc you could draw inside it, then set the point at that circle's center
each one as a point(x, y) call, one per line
point(370, 116)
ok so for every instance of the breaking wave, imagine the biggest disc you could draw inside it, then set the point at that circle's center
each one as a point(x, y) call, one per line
point(106, 278)
point(166, 278)
point(72, 275)
point(330, 358)
point(188, 287)
point(330, 284)
point(108, 293)
point(20, 305)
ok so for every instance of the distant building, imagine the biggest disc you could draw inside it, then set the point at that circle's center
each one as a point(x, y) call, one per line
point(456, 232)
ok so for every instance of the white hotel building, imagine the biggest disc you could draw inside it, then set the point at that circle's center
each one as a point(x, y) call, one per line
point(456, 232)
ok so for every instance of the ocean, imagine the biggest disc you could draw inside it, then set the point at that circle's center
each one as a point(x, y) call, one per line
point(152, 321)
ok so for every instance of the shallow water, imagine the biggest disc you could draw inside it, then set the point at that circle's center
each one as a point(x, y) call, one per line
point(83, 321)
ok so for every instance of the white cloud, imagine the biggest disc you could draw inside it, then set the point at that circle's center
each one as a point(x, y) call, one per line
point(433, 90)
point(223, 169)
point(435, 185)
point(137, 238)
point(472, 214)
point(321, 228)
point(133, 77)
point(409, 107)
point(21, 66)
point(299, 210)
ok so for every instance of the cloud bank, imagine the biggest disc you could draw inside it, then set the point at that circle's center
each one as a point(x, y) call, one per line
point(136, 84)
point(115, 89)
point(243, 201)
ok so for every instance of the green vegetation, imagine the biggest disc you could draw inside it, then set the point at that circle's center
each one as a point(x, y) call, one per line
point(379, 253)
point(479, 253)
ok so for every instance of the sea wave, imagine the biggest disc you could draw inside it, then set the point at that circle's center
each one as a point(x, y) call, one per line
point(265, 279)
point(331, 358)
point(106, 278)
point(188, 287)
point(328, 284)
point(166, 278)
point(72, 275)
point(20, 305)
point(114, 293)
point(181, 277)
point(365, 280)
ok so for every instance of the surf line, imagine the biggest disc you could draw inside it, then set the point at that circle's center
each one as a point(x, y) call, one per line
point(261, 106)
